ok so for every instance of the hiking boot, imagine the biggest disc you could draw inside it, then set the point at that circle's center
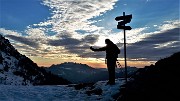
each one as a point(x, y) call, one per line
point(110, 83)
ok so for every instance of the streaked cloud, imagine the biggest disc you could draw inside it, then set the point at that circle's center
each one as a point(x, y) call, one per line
point(158, 43)
point(23, 40)
point(72, 15)
point(168, 25)
point(9, 32)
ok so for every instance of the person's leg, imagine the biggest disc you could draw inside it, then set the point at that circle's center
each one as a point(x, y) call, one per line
point(109, 73)
point(113, 73)
point(111, 69)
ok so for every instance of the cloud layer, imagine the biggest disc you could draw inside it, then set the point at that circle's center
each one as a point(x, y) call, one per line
point(155, 46)
point(62, 33)
point(70, 31)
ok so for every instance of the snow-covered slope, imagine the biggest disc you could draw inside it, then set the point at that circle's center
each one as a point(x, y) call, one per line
point(7, 70)
point(96, 92)
point(17, 69)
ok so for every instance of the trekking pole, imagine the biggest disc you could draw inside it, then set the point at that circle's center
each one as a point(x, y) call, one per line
point(119, 64)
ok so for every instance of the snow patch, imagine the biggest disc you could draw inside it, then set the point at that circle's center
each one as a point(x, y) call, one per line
point(58, 93)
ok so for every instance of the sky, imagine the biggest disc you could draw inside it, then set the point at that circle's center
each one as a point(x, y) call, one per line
point(56, 31)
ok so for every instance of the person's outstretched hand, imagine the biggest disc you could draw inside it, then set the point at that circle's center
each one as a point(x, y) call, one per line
point(91, 48)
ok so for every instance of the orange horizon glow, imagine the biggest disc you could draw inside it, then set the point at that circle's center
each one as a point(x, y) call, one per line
point(97, 63)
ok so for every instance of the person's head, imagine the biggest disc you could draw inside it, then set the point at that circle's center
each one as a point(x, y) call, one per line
point(107, 41)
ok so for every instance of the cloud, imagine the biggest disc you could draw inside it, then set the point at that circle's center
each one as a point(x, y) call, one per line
point(63, 29)
point(68, 16)
point(90, 39)
point(75, 46)
point(17, 37)
point(23, 40)
point(4, 31)
point(155, 46)
point(71, 30)
point(168, 25)
point(65, 42)
point(74, 15)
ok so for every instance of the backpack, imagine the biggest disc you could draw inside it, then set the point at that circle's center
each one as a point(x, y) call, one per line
point(118, 51)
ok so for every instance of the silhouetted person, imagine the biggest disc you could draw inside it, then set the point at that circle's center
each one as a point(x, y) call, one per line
point(112, 52)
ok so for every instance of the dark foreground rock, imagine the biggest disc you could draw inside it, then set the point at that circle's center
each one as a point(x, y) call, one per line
point(159, 82)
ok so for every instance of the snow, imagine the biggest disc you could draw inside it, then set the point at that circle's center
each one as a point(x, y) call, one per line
point(1, 66)
point(7, 77)
point(58, 92)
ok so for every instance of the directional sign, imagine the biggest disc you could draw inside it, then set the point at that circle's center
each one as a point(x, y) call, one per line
point(124, 27)
point(123, 17)
point(124, 20)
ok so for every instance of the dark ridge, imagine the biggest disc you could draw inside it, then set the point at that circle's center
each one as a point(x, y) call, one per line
point(157, 82)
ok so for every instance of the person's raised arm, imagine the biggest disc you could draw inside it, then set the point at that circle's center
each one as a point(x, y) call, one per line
point(98, 49)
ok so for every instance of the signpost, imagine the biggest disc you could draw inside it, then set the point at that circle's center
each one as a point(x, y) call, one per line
point(121, 25)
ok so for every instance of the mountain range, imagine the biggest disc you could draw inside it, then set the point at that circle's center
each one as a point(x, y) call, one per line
point(82, 73)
